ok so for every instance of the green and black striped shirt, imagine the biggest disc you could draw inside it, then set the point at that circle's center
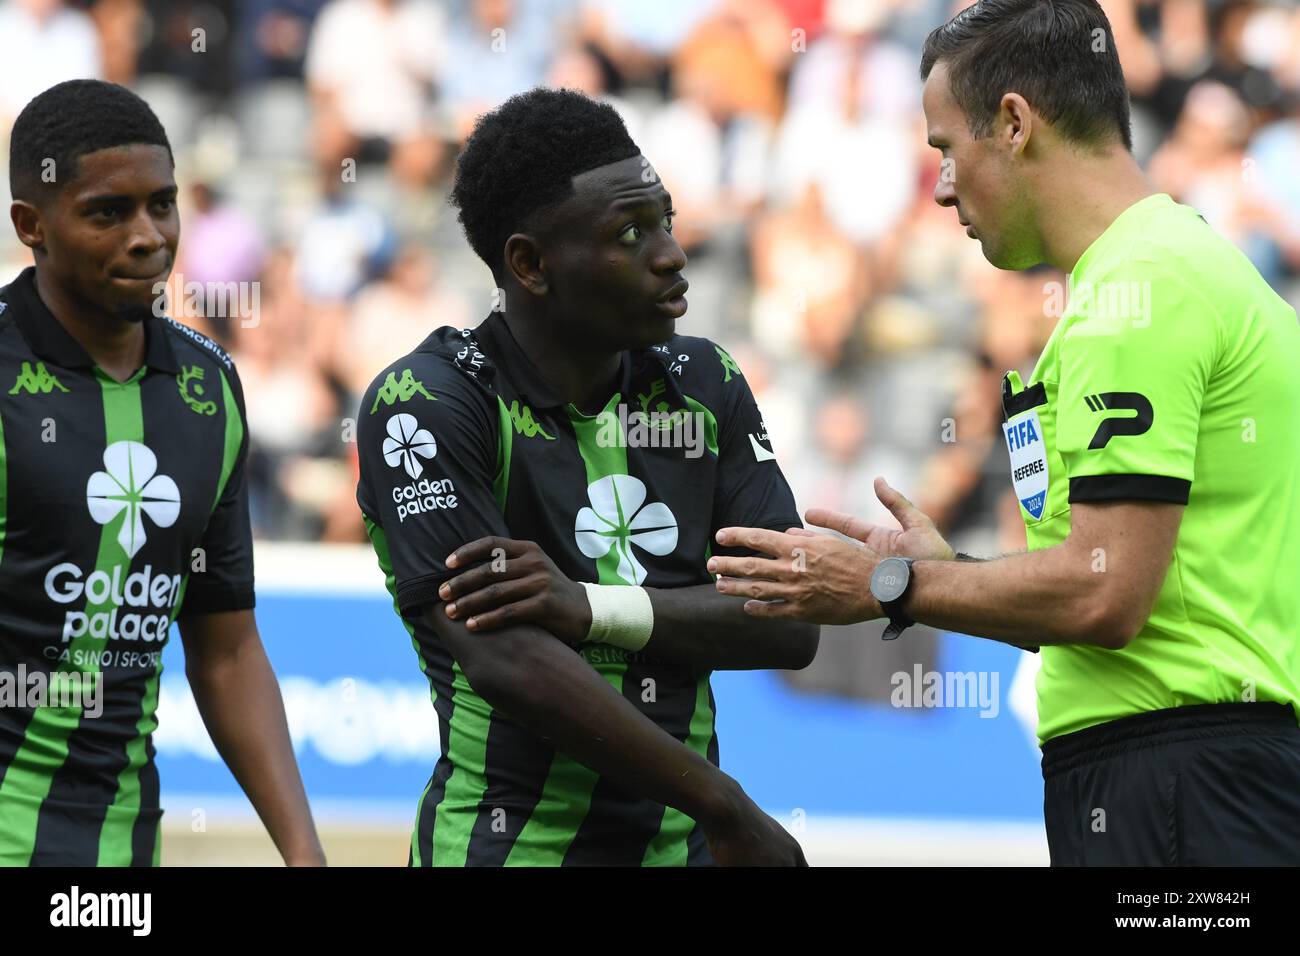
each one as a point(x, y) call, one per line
point(463, 438)
point(118, 502)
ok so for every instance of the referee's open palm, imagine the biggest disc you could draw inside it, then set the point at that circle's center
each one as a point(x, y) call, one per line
point(916, 538)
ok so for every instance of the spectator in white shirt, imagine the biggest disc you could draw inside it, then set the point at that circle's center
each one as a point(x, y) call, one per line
point(42, 43)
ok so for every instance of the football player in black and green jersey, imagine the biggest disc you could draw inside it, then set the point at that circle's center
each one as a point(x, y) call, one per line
point(123, 505)
point(542, 492)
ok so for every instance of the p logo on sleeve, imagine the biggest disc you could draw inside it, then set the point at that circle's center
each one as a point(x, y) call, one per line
point(1139, 424)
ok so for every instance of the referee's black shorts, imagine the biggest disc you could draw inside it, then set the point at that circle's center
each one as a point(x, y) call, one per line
point(1206, 785)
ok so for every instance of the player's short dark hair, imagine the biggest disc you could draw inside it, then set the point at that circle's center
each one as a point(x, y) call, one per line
point(70, 120)
point(522, 157)
point(1058, 54)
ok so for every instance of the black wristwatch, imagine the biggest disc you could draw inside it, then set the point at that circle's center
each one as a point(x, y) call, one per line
point(889, 586)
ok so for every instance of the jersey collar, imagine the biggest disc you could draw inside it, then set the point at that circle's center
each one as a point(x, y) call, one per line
point(518, 369)
point(50, 340)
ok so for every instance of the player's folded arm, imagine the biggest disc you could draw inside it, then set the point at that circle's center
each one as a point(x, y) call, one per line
point(544, 686)
point(428, 464)
point(429, 469)
point(522, 670)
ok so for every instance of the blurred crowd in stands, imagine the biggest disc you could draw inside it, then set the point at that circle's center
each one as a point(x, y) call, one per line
point(315, 141)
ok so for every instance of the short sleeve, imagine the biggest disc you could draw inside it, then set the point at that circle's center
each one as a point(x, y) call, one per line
point(428, 472)
point(225, 582)
point(751, 491)
point(1134, 366)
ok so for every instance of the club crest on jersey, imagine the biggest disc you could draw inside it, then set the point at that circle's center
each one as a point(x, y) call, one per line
point(1028, 451)
point(190, 384)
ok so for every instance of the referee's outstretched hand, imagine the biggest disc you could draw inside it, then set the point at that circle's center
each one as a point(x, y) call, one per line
point(916, 538)
point(802, 576)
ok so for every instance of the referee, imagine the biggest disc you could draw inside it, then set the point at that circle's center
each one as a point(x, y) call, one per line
point(1155, 452)
point(123, 505)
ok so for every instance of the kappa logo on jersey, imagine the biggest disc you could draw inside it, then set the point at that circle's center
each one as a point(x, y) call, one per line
point(130, 484)
point(36, 381)
point(617, 520)
point(521, 417)
point(403, 389)
point(729, 365)
point(1111, 427)
point(407, 443)
point(1028, 451)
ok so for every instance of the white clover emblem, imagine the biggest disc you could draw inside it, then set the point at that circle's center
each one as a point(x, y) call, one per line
point(616, 519)
point(407, 443)
point(129, 484)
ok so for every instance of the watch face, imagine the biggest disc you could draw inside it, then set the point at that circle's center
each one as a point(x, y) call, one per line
point(889, 580)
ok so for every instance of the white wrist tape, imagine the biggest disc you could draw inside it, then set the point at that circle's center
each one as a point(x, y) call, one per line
point(620, 615)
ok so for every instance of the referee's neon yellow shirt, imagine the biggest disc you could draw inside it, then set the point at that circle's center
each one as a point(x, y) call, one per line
point(1172, 375)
